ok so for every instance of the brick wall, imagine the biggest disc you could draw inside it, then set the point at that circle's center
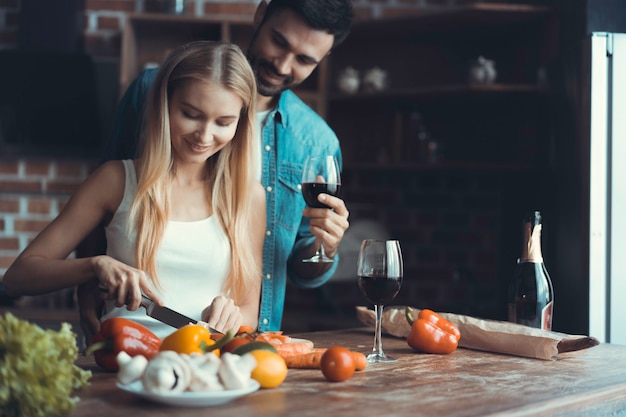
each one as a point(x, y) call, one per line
point(32, 193)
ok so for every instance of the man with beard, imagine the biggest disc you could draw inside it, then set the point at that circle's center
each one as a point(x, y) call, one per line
point(290, 40)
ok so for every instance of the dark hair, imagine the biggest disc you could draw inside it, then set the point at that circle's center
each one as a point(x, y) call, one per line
point(332, 16)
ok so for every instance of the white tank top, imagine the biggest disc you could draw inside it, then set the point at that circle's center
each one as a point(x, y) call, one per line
point(261, 117)
point(192, 262)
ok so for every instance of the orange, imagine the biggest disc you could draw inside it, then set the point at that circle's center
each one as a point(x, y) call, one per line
point(337, 364)
point(271, 369)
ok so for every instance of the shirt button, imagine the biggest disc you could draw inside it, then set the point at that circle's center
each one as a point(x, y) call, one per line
point(265, 321)
point(267, 147)
point(268, 232)
point(299, 186)
point(269, 188)
point(268, 276)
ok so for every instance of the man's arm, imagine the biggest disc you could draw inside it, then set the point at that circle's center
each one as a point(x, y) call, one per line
point(317, 225)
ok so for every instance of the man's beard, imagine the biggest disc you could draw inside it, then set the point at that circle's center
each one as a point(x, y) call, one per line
point(260, 66)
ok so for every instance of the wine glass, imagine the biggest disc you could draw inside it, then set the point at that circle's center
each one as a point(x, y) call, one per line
point(380, 271)
point(320, 175)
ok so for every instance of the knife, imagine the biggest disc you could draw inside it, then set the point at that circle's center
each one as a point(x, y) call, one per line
point(164, 314)
point(168, 316)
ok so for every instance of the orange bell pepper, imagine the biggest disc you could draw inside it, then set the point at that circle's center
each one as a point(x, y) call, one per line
point(431, 333)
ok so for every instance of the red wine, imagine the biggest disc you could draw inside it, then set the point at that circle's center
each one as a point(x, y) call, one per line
point(530, 292)
point(310, 191)
point(379, 289)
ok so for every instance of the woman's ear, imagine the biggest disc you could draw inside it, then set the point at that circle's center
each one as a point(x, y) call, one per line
point(259, 14)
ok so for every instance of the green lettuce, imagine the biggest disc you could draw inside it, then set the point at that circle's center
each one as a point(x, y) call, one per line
point(37, 370)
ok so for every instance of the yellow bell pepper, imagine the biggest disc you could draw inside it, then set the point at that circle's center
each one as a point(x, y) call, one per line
point(194, 338)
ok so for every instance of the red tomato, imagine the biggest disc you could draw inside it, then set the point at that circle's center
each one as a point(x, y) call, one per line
point(233, 344)
point(337, 364)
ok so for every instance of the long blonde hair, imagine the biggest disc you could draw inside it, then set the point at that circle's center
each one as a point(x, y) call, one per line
point(229, 173)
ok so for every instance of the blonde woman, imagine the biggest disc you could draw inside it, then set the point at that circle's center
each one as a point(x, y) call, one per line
point(185, 221)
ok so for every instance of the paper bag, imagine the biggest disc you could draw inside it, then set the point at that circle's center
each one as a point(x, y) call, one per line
point(488, 335)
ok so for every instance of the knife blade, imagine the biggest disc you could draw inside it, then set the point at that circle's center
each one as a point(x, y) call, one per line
point(165, 315)
point(168, 316)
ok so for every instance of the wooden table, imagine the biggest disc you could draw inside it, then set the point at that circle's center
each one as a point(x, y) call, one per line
point(464, 383)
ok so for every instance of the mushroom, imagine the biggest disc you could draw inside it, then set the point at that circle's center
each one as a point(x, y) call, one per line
point(131, 368)
point(204, 372)
point(236, 370)
point(167, 372)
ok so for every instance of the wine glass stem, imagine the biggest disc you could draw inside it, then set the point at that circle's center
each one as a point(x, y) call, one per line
point(378, 343)
point(321, 251)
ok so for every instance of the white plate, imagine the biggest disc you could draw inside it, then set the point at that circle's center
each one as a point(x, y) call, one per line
point(190, 399)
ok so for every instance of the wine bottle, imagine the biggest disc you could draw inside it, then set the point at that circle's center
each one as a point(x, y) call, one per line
point(531, 297)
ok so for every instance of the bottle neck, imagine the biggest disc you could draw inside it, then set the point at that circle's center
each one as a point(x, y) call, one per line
point(531, 250)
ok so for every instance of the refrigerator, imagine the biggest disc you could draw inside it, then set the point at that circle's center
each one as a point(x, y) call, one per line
point(607, 186)
point(588, 170)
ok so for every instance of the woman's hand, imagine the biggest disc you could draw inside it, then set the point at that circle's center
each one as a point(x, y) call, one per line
point(223, 314)
point(123, 283)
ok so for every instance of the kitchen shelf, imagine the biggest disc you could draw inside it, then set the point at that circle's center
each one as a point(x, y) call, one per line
point(447, 166)
point(454, 19)
point(427, 58)
point(438, 91)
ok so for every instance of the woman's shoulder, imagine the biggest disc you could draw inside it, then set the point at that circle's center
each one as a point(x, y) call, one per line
point(103, 188)
point(109, 177)
point(111, 170)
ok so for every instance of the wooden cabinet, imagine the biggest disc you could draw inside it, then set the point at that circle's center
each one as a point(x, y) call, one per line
point(148, 38)
point(427, 57)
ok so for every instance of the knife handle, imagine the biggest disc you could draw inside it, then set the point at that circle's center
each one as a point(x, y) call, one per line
point(146, 302)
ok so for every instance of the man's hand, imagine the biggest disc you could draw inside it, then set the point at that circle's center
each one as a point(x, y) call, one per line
point(90, 303)
point(328, 226)
point(89, 308)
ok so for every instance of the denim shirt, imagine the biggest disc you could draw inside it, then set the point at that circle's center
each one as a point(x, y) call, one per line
point(292, 131)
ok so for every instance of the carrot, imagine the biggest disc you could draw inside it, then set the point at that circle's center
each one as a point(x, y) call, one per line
point(360, 361)
point(310, 360)
point(292, 349)
point(274, 338)
point(313, 359)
